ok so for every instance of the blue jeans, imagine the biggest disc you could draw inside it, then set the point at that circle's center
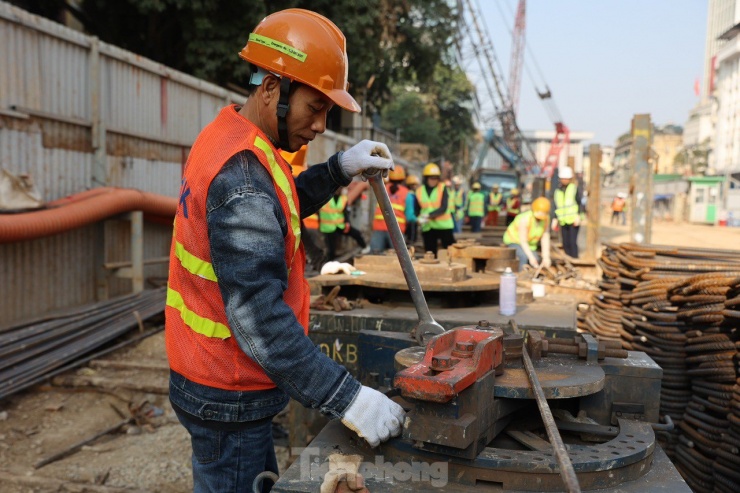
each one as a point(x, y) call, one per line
point(227, 457)
point(380, 241)
point(457, 228)
point(523, 260)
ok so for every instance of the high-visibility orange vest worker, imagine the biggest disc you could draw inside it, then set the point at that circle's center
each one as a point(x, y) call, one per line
point(236, 315)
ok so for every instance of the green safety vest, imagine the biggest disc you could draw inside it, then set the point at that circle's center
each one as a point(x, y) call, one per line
point(331, 216)
point(510, 209)
point(476, 204)
point(494, 202)
point(429, 204)
point(566, 206)
point(536, 230)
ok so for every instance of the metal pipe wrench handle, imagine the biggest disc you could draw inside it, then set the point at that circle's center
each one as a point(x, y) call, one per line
point(427, 326)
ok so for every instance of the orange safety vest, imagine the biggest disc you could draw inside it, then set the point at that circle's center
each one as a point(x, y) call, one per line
point(312, 221)
point(200, 345)
point(398, 202)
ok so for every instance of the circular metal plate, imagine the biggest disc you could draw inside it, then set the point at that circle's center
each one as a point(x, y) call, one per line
point(560, 378)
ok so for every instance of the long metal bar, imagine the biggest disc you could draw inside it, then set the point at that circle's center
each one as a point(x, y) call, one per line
point(427, 325)
point(561, 454)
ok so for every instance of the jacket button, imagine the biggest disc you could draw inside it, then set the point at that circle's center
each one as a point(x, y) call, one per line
point(208, 413)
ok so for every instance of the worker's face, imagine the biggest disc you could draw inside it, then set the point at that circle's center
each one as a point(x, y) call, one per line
point(565, 181)
point(306, 115)
point(432, 181)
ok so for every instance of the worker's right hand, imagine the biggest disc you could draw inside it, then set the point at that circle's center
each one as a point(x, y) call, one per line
point(533, 261)
point(365, 155)
point(554, 224)
point(373, 416)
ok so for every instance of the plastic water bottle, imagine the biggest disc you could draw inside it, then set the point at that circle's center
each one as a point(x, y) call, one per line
point(507, 293)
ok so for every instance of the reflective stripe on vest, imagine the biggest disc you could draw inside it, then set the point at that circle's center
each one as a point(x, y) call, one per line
point(494, 202)
point(197, 333)
point(398, 202)
point(429, 204)
point(331, 216)
point(510, 209)
point(281, 179)
point(202, 326)
point(476, 201)
point(535, 230)
point(566, 206)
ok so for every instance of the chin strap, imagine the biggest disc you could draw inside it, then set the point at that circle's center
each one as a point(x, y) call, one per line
point(282, 112)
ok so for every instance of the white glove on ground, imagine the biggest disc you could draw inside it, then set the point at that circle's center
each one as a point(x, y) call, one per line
point(373, 416)
point(334, 267)
point(367, 154)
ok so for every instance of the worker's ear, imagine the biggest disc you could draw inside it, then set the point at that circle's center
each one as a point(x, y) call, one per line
point(269, 89)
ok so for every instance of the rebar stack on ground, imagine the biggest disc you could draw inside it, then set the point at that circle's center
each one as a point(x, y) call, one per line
point(679, 305)
point(35, 350)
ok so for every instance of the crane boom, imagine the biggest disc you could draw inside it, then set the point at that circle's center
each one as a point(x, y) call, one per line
point(517, 55)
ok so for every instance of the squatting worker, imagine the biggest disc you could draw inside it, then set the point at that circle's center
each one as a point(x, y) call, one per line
point(529, 230)
point(237, 301)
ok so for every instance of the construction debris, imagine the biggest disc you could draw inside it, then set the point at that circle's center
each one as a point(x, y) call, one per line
point(678, 305)
point(332, 301)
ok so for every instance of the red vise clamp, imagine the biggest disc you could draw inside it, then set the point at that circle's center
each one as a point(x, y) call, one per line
point(453, 361)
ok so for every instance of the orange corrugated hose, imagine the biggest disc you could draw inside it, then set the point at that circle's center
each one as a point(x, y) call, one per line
point(82, 209)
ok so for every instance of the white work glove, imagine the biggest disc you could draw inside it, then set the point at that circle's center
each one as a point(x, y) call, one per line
point(365, 155)
point(334, 267)
point(533, 261)
point(546, 262)
point(577, 221)
point(423, 219)
point(373, 416)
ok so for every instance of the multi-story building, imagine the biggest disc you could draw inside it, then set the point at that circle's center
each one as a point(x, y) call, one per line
point(727, 130)
point(700, 129)
point(667, 144)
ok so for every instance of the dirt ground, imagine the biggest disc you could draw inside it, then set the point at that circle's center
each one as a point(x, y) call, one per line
point(153, 454)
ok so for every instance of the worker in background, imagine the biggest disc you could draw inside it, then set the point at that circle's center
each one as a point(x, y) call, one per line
point(513, 205)
point(433, 210)
point(567, 211)
point(458, 196)
point(412, 183)
point(397, 192)
point(310, 235)
point(618, 208)
point(476, 207)
point(528, 231)
point(236, 315)
point(494, 206)
point(334, 223)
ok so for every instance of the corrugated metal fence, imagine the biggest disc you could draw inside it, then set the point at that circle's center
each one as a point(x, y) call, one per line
point(76, 113)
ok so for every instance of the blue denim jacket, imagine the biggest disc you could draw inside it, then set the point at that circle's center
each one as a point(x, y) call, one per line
point(246, 227)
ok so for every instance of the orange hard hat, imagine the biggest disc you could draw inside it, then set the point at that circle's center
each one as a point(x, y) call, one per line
point(397, 174)
point(296, 160)
point(541, 208)
point(306, 47)
point(412, 180)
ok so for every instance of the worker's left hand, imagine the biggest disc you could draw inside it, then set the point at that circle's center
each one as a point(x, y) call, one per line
point(346, 227)
point(366, 155)
point(554, 224)
point(577, 221)
point(546, 262)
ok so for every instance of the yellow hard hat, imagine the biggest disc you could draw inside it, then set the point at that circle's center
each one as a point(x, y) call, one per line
point(541, 208)
point(397, 174)
point(476, 186)
point(412, 180)
point(514, 191)
point(431, 169)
